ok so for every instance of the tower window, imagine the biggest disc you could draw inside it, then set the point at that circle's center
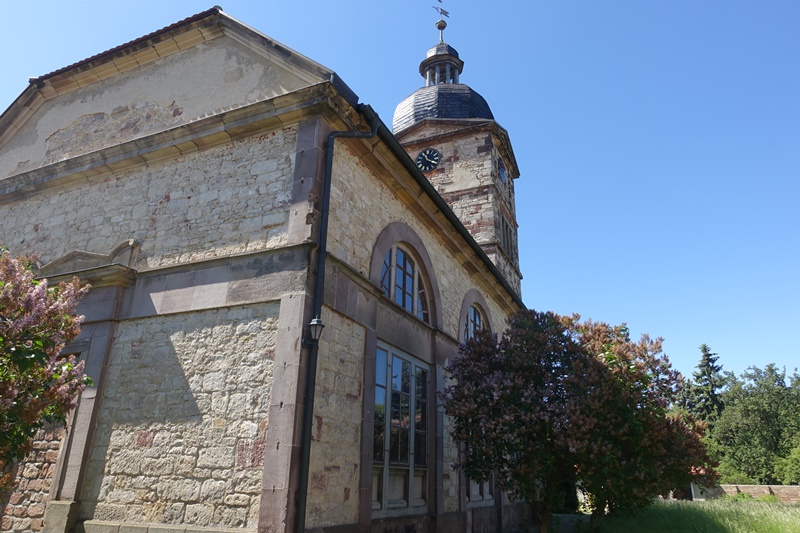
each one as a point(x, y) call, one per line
point(501, 170)
point(507, 239)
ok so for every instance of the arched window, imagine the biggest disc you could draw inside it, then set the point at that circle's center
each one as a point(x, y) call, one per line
point(402, 282)
point(401, 268)
point(474, 316)
point(474, 323)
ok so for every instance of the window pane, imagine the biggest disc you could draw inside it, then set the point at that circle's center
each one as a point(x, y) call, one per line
point(420, 449)
point(406, 377)
point(394, 445)
point(420, 401)
point(422, 303)
point(405, 410)
point(396, 411)
point(381, 356)
point(404, 451)
point(386, 274)
point(474, 322)
point(422, 384)
point(404, 281)
point(380, 425)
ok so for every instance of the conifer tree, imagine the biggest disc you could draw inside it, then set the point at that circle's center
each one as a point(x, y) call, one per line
point(706, 401)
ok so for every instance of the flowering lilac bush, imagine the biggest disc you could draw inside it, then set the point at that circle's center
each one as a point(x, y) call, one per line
point(37, 384)
point(556, 400)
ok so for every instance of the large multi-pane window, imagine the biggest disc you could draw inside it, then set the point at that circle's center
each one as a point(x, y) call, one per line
point(401, 281)
point(401, 434)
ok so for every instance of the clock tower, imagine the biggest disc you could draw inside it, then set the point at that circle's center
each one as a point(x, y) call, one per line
point(450, 132)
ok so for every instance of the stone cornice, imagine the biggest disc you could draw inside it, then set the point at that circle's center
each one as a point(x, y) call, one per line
point(105, 276)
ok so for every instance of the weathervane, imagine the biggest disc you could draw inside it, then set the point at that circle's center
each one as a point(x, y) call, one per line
point(441, 24)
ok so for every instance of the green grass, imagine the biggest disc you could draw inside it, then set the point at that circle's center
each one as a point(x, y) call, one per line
point(713, 516)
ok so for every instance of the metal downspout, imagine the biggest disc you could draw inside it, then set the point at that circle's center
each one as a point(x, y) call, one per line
point(317, 297)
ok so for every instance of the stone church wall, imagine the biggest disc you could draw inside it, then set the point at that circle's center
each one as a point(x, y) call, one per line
point(362, 205)
point(181, 431)
point(356, 191)
point(230, 199)
point(333, 495)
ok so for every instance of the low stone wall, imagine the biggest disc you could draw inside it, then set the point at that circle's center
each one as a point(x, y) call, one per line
point(784, 493)
point(23, 509)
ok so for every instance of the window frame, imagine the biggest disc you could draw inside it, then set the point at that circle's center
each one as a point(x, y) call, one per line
point(401, 233)
point(389, 470)
point(401, 262)
point(475, 322)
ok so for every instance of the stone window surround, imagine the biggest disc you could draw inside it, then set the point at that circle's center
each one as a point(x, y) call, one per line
point(400, 233)
point(400, 267)
point(473, 298)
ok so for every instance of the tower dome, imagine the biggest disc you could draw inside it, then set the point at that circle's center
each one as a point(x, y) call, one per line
point(442, 96)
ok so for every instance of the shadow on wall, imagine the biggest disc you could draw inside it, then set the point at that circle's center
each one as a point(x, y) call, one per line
point(180, 436)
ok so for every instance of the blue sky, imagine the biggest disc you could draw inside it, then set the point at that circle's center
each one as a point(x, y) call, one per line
point(659, 142)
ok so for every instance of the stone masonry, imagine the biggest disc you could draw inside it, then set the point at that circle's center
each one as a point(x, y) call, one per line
point(183, 442)
point(23, 509)
point(230, 199)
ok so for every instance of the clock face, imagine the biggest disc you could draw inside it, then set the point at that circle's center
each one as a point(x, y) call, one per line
point(428, 159)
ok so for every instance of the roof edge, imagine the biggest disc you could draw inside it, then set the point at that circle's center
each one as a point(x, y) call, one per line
point(394, 145)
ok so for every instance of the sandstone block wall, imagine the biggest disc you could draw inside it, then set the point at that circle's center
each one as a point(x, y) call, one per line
point(355, 190)
point(230, 199)
point(335, 454)
point(23, 509)
point(181, 431)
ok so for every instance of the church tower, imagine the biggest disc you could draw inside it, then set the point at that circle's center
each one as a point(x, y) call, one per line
point(450, 132)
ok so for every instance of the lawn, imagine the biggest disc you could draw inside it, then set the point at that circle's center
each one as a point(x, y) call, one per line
point(713, 516)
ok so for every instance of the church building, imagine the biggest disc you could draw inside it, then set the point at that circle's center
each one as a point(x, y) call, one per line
point(279, 280)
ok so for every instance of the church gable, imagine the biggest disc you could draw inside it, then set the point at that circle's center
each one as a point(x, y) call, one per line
point(167, 79)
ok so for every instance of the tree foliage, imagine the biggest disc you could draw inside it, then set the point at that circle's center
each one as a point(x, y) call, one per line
point(37, 384)
point(702, 396)
point(556, 399)
point(635, 448)
point(758, 431)
point(510, 402)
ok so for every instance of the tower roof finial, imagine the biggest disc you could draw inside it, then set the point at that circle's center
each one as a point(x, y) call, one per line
point(441, 24)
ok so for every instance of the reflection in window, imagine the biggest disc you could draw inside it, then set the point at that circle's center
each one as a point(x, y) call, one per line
point(474, 322)
point(401, 281)
point(400, 476)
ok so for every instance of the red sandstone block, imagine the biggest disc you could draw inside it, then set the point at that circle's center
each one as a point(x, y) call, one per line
point(20, 512)
point(6, 521)
point(37, 484)
point(36, 510)
point(16, 498)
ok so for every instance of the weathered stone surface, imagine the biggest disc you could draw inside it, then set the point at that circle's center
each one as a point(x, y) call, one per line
point(356, 190)
point(193, 207)
point(173, 454)
point(335, 453)
point(33, 479)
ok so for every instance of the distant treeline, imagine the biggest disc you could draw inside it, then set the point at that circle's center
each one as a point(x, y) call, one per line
point(753, 420)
